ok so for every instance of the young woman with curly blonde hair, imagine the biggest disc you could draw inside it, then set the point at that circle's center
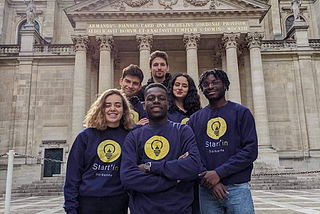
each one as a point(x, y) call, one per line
point(92, 180)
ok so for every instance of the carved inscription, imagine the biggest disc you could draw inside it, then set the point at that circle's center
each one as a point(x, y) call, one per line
point(168, 28)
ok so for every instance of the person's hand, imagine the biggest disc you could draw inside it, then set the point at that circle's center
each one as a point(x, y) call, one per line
point(219, 191)
point(141, 167)
point(143, 121)
point(210, 179)
point(184, 155)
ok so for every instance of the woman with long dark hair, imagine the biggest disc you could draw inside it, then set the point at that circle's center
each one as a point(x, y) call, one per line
point(184, 99)
point(93, 170)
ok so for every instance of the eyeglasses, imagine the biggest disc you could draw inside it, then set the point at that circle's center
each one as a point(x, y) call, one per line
point(213, 83)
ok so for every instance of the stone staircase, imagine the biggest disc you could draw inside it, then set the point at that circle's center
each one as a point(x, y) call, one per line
point(265, 177)
point(48, 186)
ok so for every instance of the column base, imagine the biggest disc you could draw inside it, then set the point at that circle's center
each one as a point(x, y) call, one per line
point(268, 155)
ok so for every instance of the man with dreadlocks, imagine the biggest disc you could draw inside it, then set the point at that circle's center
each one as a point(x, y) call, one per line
point(228, 145)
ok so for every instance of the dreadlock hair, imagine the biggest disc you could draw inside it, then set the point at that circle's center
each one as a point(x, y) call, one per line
point(191, 102)
point(218, 74)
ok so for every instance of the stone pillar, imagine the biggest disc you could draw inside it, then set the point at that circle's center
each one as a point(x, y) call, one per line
point(310, 102)
point(274, 19)
point(266, 153)
point(191, 42)
point(145, 45)
point(230, 41)
point(79, 85)
point(105, 76)
point(299, 31)
point(88, 78)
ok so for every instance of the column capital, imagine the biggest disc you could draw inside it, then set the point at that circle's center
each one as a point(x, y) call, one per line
point(80, 42)
point(254, 39)
point(191, 41)
point(144, 41)
point(106, 42)
point(230, 40)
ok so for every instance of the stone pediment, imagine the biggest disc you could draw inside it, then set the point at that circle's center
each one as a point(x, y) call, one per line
point(101, 9)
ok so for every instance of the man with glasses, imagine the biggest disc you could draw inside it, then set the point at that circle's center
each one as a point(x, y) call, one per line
point(228, 145)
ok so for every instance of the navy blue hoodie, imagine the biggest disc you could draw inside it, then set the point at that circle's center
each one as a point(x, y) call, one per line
point(137, 110)
point(227, 141)
point(178, 116)
point(93, 167)
point(159, 191)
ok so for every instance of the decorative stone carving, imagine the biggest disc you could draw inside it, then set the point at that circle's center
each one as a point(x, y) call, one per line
point(217, 58)
point(214, 4)
point(191, 40)
point(116, 58)
point(230, 40)
point(254, 39)
point(31, 12)
point(167, 3)
point(243, 50)
point(295, 6)
point(80, 42)
point(105, 42)
point(144, 42)
point(198, 3)
point(132, 3)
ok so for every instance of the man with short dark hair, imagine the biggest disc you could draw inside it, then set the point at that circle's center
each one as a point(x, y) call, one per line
point(130, 83)
point(227, 140)
point(159, 67)
point(159, 160)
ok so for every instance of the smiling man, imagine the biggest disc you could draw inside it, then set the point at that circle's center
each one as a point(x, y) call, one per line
point(159, 160)
point(227, 140)
point(159, 67)
point(130, 83)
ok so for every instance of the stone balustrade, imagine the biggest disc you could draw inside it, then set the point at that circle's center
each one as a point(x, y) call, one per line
point(314, 43)
point(272, 45)
point(9, 49)
point(64, 49)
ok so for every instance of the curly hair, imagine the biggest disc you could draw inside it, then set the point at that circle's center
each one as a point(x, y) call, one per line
point(192, 100)
point(96, 117)
point(218, 74)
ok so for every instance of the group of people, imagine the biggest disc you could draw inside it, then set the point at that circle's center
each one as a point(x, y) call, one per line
point(153, 149)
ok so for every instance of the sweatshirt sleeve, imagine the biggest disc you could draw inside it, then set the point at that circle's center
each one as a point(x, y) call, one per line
point(133, 178)
point(75, 169)
point(249, 148)
point(186, 168)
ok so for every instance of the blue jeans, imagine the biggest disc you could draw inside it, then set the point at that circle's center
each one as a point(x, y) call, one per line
point(240, 201)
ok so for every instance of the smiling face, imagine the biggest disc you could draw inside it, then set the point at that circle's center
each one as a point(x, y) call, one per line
point(156, 105)
point(130, 85)
point(159, 68)
point(213, 88)
point(180, 87)
point(113, 109)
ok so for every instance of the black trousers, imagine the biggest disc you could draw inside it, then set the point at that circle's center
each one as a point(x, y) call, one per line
point(117, 204)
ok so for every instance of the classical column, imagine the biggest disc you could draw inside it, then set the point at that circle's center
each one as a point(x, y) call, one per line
point(88, 78)
point(105, 71)
point(79, 84)
point(266, 152)
point(191, 42)
point(145, 45)
point(230, 41)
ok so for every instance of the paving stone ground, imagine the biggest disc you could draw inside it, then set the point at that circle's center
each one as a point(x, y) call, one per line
point(265, 202)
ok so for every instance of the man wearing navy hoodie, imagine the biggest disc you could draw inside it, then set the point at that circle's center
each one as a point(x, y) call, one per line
point(159, 160)
point(130, 83)
point(227, 140)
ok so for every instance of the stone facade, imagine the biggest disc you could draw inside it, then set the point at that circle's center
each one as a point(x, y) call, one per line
point(49, 81)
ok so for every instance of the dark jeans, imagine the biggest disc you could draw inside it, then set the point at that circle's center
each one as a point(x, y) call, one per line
point(117, 204)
